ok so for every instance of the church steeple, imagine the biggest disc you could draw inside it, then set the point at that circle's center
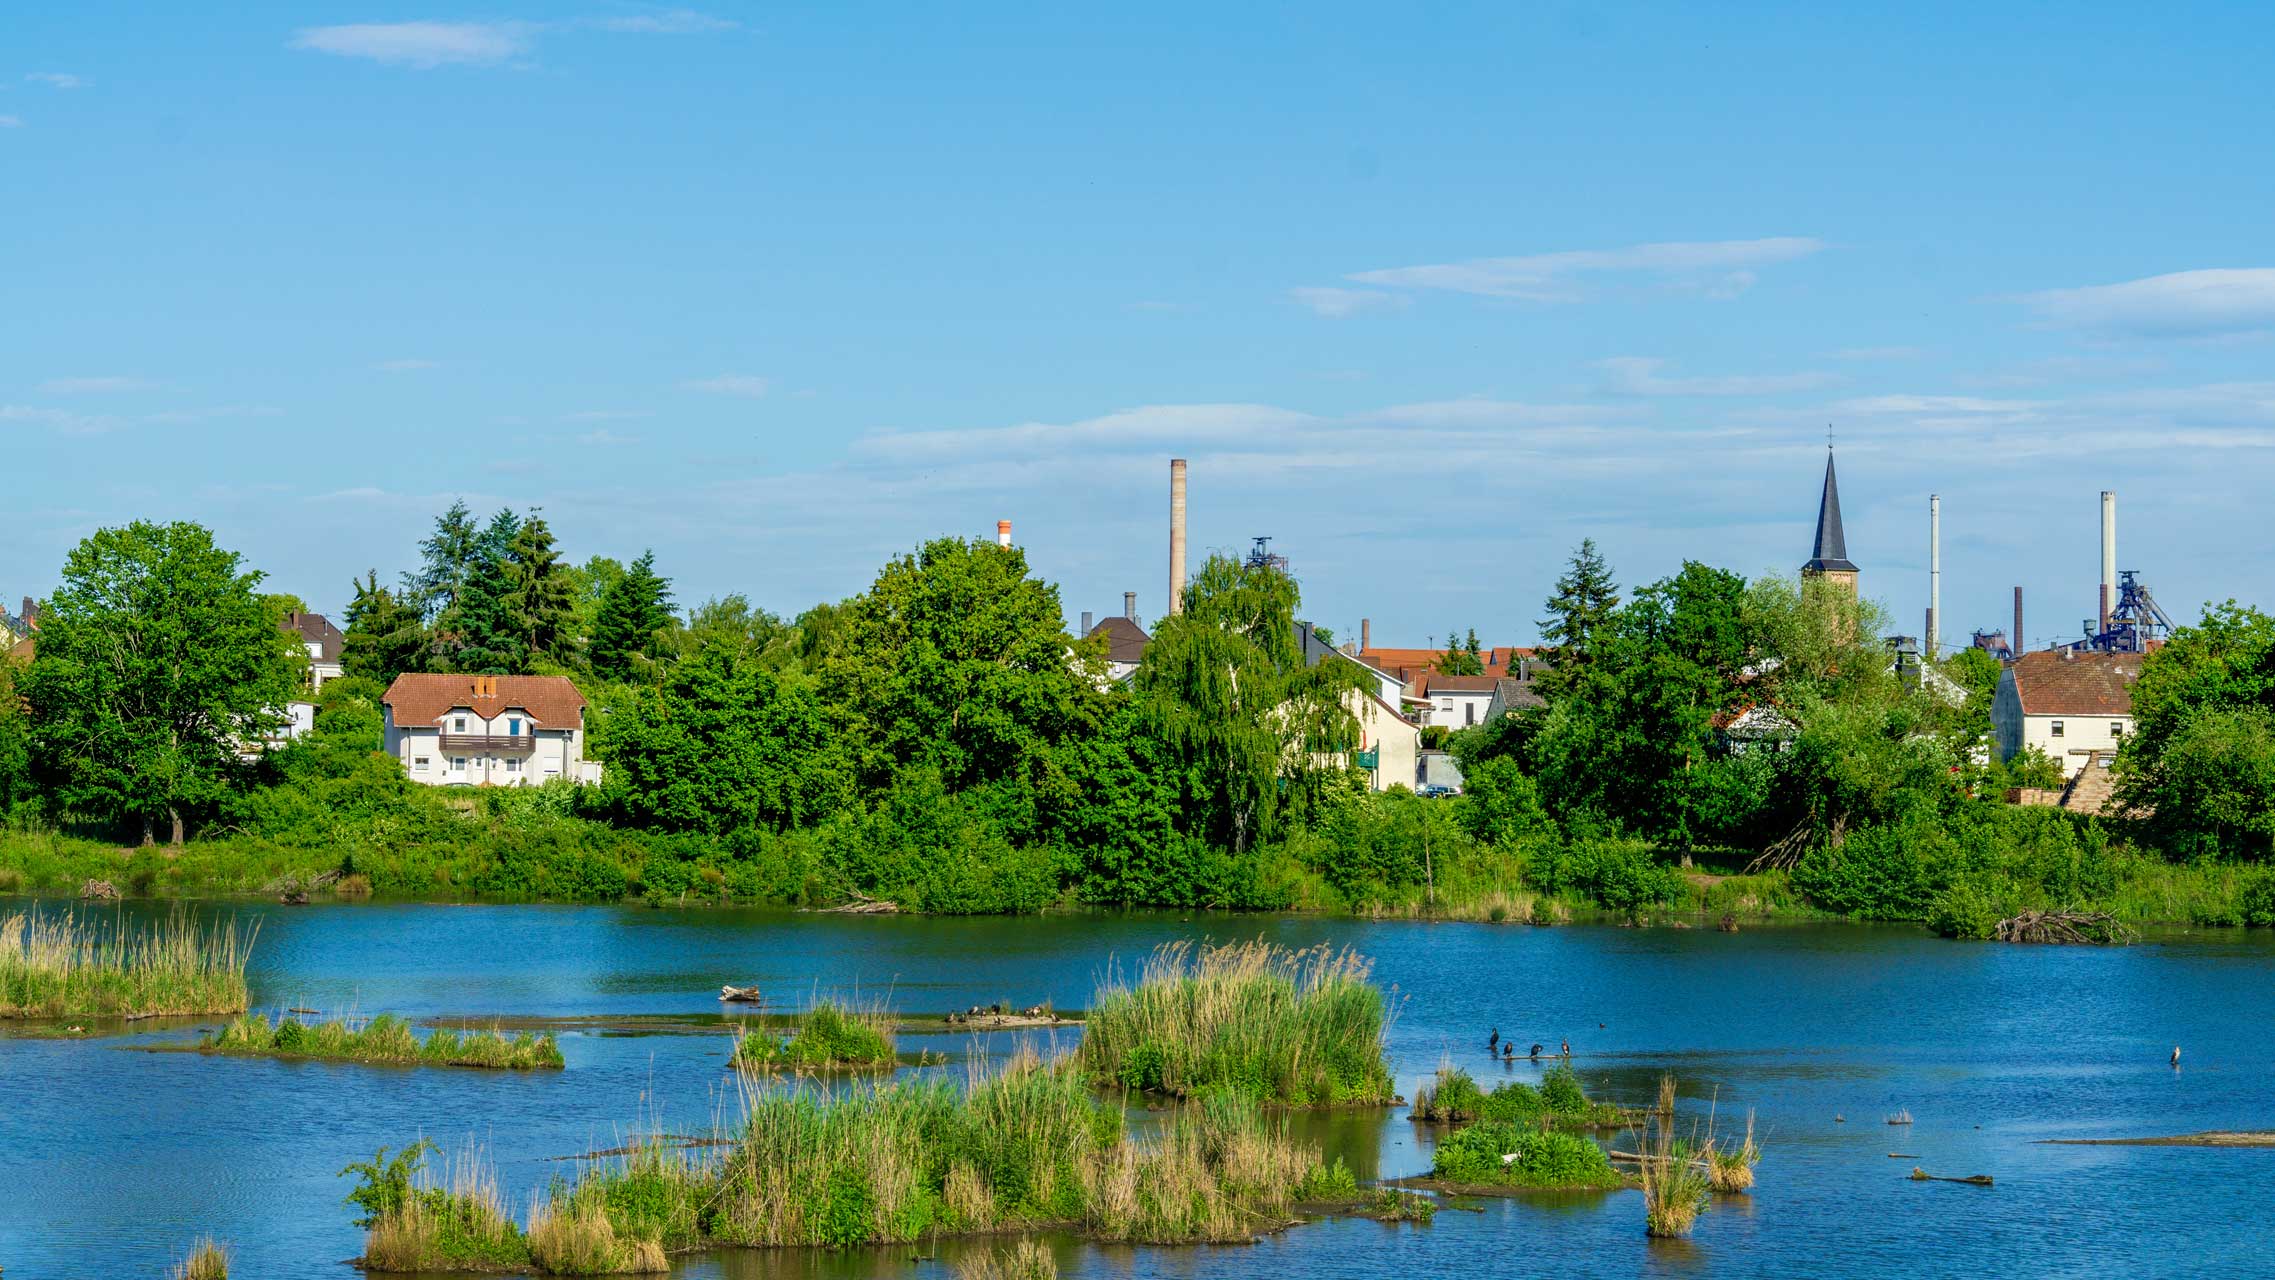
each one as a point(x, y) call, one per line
point(1829, 557)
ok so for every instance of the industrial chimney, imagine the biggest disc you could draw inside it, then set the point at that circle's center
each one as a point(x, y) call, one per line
point(1366, 634)
point(1934, 572)
point(1085, 623)
point(2108, 554)
point(1176, 535)
point(2014, 646)
point(1129, 605)
point(1003, 533)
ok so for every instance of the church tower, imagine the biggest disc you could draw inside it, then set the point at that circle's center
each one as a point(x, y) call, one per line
point(1829, 561)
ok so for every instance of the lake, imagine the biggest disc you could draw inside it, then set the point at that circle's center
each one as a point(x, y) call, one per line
point(113, 1160)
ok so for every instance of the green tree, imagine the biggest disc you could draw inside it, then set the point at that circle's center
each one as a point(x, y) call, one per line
point(957, 660)
point(1462, 658)
point(384, 636)
point(633, 617)
point(1224, 690)
point(721, 745)
point(484, 632)
point(1584, 600)
point(447, 557)
point(15, 739)
point(157, 663)
point(539, 593)
point(2202, 708)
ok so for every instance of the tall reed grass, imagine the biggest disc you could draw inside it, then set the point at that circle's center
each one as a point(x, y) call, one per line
point(1676, 1175)
point(830, 1036)
point(61, 967)
point(1026, 1260)
point(1295, 1028)
point(207, 1261)
point(386, 1038)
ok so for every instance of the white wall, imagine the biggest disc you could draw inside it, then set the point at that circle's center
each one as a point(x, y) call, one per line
point(1384, 729)
point(1459, 710)
point(558, 753)
point(2081, 736)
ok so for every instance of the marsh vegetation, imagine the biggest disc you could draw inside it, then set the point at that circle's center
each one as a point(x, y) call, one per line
point(386, 1038)
point(64, 967)
point(830, 1036)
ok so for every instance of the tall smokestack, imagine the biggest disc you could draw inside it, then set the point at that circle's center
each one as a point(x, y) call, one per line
point(1366, 634)
point(2014, 646)
point(1934, 571)
point(1003, 533)
point(1176, 535)
point(1129, 605)
point(2108, 554)
point(1085, 623)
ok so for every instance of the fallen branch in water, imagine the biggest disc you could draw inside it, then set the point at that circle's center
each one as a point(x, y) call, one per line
point(2063, 927)
point(1922, 1175)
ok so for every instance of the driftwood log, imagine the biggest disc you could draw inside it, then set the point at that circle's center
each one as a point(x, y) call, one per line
point(741, 995)
point(1922, 1175)
point(864, 905)
point(99, 891)
point(2062, 927)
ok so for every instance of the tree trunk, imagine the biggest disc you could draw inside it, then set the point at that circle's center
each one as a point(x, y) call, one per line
point(149, 837)
point(176, 815)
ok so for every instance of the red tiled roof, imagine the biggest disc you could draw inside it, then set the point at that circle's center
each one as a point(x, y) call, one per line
point(551, 701)
point(2053, 682)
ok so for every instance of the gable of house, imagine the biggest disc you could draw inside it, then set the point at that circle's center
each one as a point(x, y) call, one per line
point(417, 699)
point(2058, 682)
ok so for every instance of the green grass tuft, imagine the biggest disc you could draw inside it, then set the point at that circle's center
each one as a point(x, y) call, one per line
point(58, 967)
point(1544, 1158)
point(386, 1038)
point(830, 1036)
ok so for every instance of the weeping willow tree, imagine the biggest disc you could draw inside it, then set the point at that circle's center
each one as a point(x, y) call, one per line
point(1255, 732)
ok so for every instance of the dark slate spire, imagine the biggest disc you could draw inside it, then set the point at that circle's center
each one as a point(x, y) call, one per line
point(1831, 553)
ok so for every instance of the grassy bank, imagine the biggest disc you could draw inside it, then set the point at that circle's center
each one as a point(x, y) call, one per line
point(385, 1038)
point(1290, 1028)
point(1029, 1147)
point(1454, 1098)
point(828, 1037)
point(67, 967)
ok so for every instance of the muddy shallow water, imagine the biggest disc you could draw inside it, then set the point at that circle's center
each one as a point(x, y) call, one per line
point(112, 1162)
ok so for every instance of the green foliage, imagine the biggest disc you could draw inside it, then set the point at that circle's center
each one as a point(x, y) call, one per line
point(1545, 1158)
point(385, 635)
point(829, 1035)
point(630, 622)
point(383, 1186)
point(1621, 874)
point(539, 597)
point(156, 659)
point(386, 1038)
point(1583, 601)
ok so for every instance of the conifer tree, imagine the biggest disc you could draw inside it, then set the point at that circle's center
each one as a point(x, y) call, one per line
point(1584, 601)
point(636, 609)
point(539, 593)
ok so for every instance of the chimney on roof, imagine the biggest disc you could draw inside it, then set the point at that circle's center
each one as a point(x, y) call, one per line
point(1129, 605)
point(1366, 634)
point(1085, 622)
point(31, 611)
point(1176, 535)
point(1003, 533)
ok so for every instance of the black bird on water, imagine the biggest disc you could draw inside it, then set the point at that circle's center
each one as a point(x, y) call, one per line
point(1493, 1041)
point(1535, 1049)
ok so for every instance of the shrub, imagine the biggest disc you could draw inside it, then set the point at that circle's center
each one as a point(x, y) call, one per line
point(1480, 1155)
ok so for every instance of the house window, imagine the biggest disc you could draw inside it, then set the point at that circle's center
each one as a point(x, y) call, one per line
point(458, 764)
point(461, 725)
point(419, 763)
point(513, 764)
point(513, 725)
point(2057, 728)
point(2116, 728)
point(1469, 713)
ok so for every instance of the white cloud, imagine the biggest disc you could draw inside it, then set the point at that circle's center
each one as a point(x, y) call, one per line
point(11, 122)
point(1933, 404)
point(424, 46)
point(606, 437)
point(54, 79)
point(1344, 302)
point(85, 386)
point(420, 45)
point(175, 417)
point(606, 415)
point(61, 419)
point(730, 384)
point(2183, 304)
point(1720, 268)
point(404, 366)
point(1639, 376)
point(666, 22)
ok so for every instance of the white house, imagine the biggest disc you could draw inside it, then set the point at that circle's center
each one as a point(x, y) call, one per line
point(487, 730)
point(1389, 744)
point(1457, 702)
point(2072, 706)
point(322, 641)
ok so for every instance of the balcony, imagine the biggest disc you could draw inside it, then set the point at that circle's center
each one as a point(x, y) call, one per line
point(495, 744)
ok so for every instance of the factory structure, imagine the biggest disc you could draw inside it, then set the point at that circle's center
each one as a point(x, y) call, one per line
point(2071, 699)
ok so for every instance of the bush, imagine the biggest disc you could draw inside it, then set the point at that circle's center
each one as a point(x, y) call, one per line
point(1544, 1158)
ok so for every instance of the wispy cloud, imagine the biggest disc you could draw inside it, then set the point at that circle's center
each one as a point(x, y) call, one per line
point(607, 415)
point(1338, 303)
point(11, 122)
point(421, 46)
point(61, 419)
point(1639, 376)
point(424, 46)
point(178, 417)
point(606, 437)
point(731, 384)
point(89, 386)
point(55, 79)
point(1879, 353)
point(2183, 304)
point(1715, 267)
point(405, 366)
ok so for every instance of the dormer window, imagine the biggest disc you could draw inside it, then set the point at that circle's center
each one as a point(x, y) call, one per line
point(459, 726)
point(513, 726)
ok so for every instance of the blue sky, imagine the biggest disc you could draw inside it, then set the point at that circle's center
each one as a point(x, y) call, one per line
point(1427, 295)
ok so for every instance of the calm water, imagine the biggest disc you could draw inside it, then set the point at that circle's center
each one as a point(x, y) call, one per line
point(112, 1159)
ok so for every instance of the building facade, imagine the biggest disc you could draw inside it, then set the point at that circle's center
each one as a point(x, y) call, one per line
point(470, 731)
point(2075, 707)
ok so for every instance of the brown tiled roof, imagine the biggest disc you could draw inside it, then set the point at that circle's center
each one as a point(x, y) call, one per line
point(1516, 692)
point(1416, 666)
point(1125, 640)
point(315, 629)
point(2052, 682)
point(551, 701)
point(23, 649)
point(1460, 684)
